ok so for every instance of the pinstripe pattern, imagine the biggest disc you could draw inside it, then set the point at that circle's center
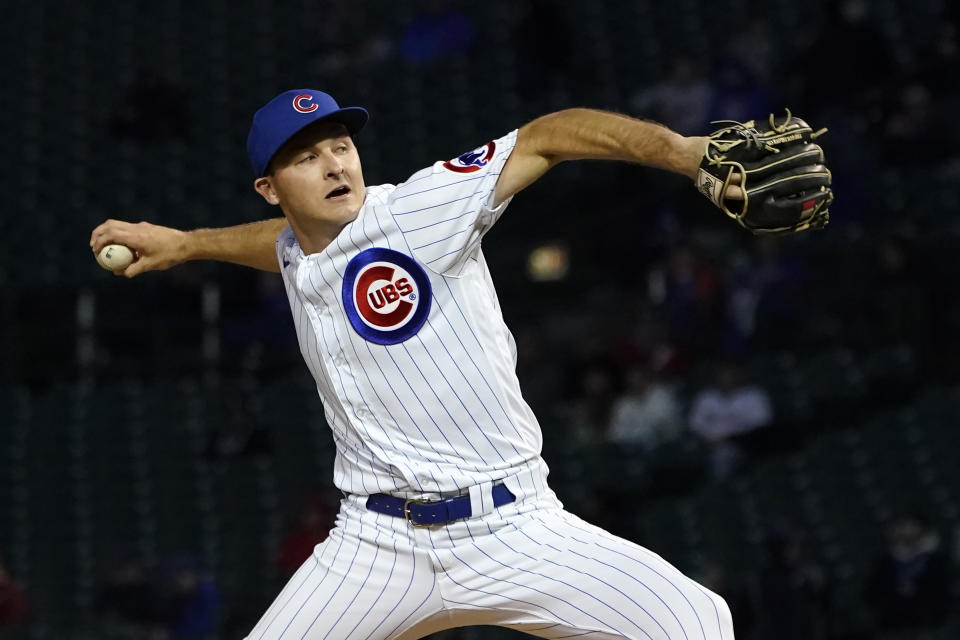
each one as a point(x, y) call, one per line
point(384, 584)
point(529, 566)
point(439, 412)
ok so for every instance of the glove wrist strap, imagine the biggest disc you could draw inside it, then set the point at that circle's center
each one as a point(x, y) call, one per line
point(711, 186)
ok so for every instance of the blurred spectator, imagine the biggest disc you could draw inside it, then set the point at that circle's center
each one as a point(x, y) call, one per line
point(738, 96)
point(543, 39)
point(937, 58)
point(437, 31)
point(765, 305)
point(848, 65)
point(647, 414)
point(537, 369)
point(725, 409)
point(780, 280)
point(238, 433)
point(128, 601)
point(789, 595)
point(152, 109)
point(313, 525)
point(589, 414)
point(271, 324)
point(191, 597)
point(909, 585)
point(756, 50)
point(342, 39)
point(916, 136)
point(894, 303)
point(13, 603)
point(955, 550)
point(681, 101)
point(742, 298)
point(688, 290)
point(645, 343)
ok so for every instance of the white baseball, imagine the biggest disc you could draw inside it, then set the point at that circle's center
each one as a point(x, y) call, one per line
point(115, 257)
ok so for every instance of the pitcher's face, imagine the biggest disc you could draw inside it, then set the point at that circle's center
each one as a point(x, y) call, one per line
point(316, 177)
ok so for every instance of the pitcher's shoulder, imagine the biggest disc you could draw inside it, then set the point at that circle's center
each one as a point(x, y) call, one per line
point(379, 193)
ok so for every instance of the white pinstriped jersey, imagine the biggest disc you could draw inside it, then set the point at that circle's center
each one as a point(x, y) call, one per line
point(400, 325)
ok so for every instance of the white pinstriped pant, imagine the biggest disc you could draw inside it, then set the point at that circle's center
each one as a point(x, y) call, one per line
point(529, 566)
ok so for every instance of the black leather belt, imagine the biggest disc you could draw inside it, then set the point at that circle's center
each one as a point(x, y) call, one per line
point(423, 513)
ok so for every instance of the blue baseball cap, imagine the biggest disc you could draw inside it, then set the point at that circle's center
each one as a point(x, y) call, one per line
point(287, 114)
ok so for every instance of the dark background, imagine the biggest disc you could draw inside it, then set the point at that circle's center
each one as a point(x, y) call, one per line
point(168, 422)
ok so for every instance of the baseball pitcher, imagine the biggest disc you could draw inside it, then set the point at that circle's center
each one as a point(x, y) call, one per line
point(447, 519)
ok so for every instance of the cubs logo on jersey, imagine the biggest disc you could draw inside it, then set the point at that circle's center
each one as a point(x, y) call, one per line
point(386, 295)
point(472, 160)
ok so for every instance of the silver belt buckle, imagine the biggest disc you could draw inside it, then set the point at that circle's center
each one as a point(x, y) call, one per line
point(406, 514)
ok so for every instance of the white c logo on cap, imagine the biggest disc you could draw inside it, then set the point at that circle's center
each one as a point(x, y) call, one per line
point(304, 97)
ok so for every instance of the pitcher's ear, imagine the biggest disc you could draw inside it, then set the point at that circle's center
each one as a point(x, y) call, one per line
point(264, 187)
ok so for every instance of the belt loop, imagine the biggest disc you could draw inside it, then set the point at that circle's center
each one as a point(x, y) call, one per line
point(481, 498)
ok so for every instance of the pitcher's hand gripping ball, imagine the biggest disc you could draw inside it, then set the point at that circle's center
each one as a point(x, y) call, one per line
point(785, 183)
point(115, 257)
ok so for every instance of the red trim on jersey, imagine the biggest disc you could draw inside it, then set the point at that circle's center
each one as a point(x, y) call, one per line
point(470, 168)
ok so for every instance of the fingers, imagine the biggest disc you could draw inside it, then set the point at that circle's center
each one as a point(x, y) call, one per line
point(155, 247)
point(135, 268)
point(114, 232)
point(120, 232)
point(100, 233)
point(733, 192)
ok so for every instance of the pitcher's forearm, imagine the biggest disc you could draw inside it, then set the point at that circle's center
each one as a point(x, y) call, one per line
point(251, 245)
point(581, 134)
point(587, 133)
point(157, 247)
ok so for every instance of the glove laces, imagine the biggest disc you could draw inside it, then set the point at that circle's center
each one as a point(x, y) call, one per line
point(753, 138)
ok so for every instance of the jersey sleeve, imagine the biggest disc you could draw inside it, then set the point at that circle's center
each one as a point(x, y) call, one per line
point(286, 246)
point(443, 211)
